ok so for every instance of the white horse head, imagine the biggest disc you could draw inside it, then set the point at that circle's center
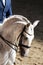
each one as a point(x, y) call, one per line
point(29, 34)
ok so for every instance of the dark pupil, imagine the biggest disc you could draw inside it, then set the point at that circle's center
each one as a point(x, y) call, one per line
point(31, 29)
point(26, 38)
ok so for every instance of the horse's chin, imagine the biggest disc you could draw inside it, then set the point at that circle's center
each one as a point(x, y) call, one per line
point(26, 53)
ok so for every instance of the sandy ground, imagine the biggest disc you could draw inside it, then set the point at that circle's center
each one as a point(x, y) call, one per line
point(35, 56)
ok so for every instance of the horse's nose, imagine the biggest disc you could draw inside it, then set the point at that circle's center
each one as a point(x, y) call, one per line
point(24, 55)
point(22, 52)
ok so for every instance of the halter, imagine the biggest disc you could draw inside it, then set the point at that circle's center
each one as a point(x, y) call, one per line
point(28, 33)
point(15, 46)
point(22, 45)
point(11, 44)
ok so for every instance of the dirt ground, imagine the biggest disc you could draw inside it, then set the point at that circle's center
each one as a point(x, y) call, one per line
point(35, 56)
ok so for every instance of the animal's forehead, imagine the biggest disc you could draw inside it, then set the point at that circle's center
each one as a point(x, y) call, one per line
point(31, 26)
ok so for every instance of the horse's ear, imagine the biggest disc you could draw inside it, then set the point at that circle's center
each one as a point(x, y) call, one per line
point(36, 23)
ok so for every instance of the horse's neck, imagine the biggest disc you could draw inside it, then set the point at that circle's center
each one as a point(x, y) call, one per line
point(12, 32)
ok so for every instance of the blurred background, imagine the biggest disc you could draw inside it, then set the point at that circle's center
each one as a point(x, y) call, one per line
point(33, 10)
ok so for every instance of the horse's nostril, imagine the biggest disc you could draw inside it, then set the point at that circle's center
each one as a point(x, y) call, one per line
point(14, 63)
point(22, 54)
point(22, 51)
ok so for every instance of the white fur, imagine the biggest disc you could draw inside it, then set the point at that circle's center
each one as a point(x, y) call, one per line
point(31, 36)
point(36, 23)
point(3, 60)
point(11, 55)
point(8, 57)
point(10, 62)
point(14, 16)
point(22, 22)
point(31, 31)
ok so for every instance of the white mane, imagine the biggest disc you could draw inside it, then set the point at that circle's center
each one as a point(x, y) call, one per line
point(16, 16)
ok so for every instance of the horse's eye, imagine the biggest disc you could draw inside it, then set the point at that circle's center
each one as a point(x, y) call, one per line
point(26, 38)
point(31, 28)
